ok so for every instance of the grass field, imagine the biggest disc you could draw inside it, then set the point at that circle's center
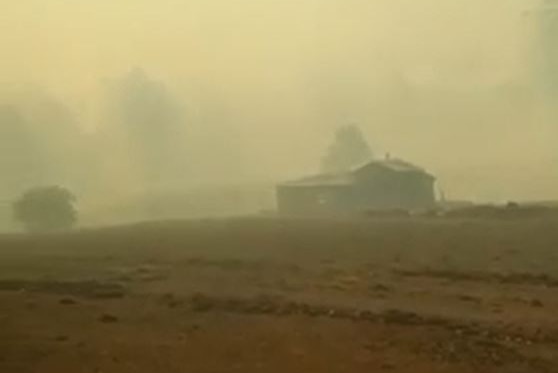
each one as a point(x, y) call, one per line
point(283, 295)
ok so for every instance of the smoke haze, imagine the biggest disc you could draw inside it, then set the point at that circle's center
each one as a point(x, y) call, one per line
point(252, 91)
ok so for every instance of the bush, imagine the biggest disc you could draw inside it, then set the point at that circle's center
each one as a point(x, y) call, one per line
point(46, 209)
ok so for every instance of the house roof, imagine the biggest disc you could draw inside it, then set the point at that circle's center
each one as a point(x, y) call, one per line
point(340, 179)
point(397, 165)
point(348, 178)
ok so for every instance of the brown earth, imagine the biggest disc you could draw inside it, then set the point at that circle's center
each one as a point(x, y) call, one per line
point(271, 295)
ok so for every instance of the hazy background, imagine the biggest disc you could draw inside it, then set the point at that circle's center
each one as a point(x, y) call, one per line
point(121, 98)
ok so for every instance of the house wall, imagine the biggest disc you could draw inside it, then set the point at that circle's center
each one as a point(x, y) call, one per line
point(313, 200)
point(394, 190)
point(373, 189)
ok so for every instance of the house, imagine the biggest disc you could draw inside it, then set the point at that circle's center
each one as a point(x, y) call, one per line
point(378, 185)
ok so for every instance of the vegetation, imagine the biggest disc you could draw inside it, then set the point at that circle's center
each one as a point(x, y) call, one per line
point(349, 149)
point(150, 117)
point(48, 208)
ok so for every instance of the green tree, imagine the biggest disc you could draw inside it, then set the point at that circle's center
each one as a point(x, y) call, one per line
point(48, 208)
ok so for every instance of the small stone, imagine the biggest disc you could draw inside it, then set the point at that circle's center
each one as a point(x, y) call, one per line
point(68, 301)
point(107, 318)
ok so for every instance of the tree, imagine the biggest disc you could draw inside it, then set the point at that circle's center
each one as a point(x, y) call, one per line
point(149, 117)
point(547, 45)
point(37, 132)
point(21, 159)
point(349, 149)
point(48, 208)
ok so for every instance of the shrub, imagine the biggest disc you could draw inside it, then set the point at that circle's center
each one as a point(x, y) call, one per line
point(48, 208)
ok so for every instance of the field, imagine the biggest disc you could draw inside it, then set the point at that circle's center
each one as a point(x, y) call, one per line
point(283, 295)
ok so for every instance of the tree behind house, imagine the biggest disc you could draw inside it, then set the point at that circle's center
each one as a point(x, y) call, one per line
point(349, 149)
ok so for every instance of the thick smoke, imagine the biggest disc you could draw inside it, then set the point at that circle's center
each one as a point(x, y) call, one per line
point(144, 95)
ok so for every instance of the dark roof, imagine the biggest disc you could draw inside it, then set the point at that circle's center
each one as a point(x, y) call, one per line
point(397, 165)
point(340, 179)
point(348, 178)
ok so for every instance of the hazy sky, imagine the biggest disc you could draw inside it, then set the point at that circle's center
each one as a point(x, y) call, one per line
point(440, 83)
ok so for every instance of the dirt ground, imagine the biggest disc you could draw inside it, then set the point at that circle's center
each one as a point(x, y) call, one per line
point(272, 295)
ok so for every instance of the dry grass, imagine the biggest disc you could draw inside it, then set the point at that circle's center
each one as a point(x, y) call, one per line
point(276, 295)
